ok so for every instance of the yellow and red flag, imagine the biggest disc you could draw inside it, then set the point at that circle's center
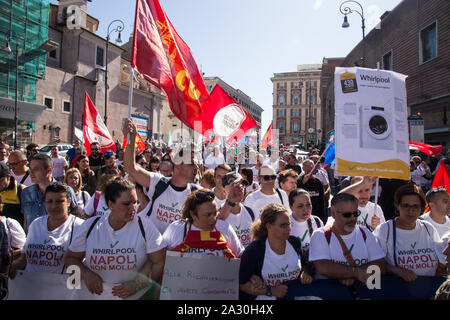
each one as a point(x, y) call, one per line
point(164, 59)
point(140, 144)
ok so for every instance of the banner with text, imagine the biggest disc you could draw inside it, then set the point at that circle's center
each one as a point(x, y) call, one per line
point(371, 123)
point(195, 277)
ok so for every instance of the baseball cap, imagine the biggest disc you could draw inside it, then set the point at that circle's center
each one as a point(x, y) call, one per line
point(230, 178)
point(4, 170)
point(267, 170)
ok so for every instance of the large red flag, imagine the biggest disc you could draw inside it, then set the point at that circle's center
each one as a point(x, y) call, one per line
point(163, 58)
point(225, 117)
point(425, 148)
point(442, 177)
point(94, 129)
point(268, 137)
point(140, 144)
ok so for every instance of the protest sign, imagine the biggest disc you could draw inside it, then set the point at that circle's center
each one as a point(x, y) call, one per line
point(191, 276)
point(371, 123)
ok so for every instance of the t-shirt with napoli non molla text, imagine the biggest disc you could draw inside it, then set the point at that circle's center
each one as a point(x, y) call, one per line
point(301, 231)
point(367, 213)
point(278, 269)
point(362, 251)
point(174, 236)
point(241, 224)
point(102, 207)
point(116, 255)
point(258, 200)
point(168, 206)
point(45, 250)
point(417, 250)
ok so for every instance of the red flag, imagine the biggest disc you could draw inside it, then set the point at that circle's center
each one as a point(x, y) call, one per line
point(425, 148)
point(225, 117)
point(268, 137)
point(163, 58)
point(94, 129)
point(442, 177)
point(140, 144)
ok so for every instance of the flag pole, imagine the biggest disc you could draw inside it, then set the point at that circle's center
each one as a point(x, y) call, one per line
point(130, 98)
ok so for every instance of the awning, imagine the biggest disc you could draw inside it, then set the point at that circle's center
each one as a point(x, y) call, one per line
point(26, 111)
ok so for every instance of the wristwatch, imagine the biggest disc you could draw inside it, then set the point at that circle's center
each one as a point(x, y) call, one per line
point(231, 204)
point(268, 291)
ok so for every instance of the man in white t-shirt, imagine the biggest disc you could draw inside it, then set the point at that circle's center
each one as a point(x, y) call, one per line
point(214, 159)
point(59, 165)
point(219, 172)
point(361, 188)
point(439, 202)
point(328, 245)
point(167, 194)
point(267, 194)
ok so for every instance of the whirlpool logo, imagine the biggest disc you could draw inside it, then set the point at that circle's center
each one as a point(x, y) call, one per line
point(374, 79)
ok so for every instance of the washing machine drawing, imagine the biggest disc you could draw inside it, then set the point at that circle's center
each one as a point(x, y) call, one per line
point(376, 128)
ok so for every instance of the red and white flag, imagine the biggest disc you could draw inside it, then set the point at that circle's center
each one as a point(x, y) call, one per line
point(425, 148)
point(164, 59)
point(94, 130)
point(268, 137)
point(225, 117)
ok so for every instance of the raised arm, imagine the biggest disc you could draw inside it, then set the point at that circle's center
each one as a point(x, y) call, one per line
point(140, 175)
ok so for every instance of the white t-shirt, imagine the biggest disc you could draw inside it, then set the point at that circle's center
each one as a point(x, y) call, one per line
point(58, 166)
point(27, 181)
point(211, 162)
point(46, 250)
point(144, 211)
point(16, 235)
point(258, 200)
point(83, 198)
point(102, 207)
point(167, 207)
point(362, 251)
point(241, 224)
point(417, 250)
point(367, 214)
point(440, 228)
point(173, 236)
point(279, 268)
point(116, 255)
point(301, 231)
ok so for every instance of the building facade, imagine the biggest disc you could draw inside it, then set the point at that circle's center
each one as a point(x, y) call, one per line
point(297, 105)
point(412, 39)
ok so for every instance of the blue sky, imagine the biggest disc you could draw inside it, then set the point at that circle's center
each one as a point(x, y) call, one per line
point(245, 42)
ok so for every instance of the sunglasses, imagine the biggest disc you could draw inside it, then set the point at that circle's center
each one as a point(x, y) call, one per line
point(108, 153)
point(13, 163)
point(349, 214)
point(267, 178)
point(245, 183)
point(143, 163)
point(204, 196)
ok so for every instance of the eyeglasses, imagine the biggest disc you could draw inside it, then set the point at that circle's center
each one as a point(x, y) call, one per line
point(204, 196)
point(349, 214)
point(94, 149)
point(143, 163)
point(108, 153)
point(13, 163)
point(406, 206)
point(267, 178)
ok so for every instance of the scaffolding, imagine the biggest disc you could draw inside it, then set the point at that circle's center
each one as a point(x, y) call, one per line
point(24, 28)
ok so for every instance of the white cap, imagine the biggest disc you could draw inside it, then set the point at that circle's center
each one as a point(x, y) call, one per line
point(267, 170)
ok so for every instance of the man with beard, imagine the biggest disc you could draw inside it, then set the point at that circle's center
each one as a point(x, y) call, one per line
point(344, 251)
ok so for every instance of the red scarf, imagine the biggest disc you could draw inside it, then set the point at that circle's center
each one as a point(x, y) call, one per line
point(212, 240)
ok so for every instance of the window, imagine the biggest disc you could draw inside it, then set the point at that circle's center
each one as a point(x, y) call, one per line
point(428, 43)
point(296, 99)
point(66, 106)
point(48, 102)
point(281, 126)
point(295, 112)
point(282, 85)
point(387, 61)
point(53, 54)
point(281, 99)
point(100, 57)
point(281, 113)
point(295, 126)
point(296, 85)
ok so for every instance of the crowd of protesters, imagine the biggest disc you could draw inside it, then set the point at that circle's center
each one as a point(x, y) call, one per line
point(275, 211)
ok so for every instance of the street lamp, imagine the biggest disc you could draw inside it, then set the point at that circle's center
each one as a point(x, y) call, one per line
point(118, 29)
point(347, 10)
point(9, 51)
